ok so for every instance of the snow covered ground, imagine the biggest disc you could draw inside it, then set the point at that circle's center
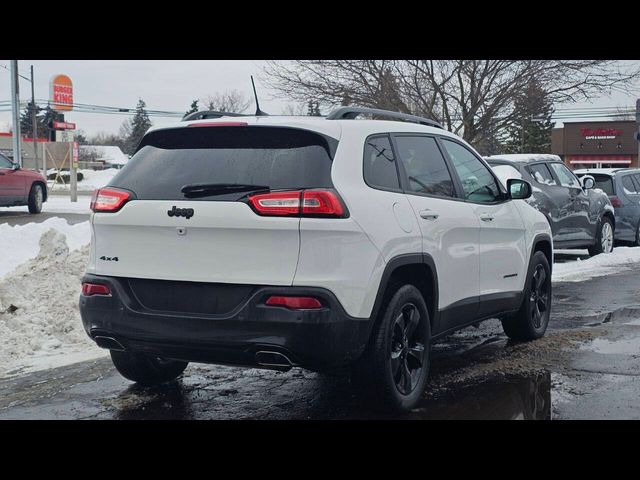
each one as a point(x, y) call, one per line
point(40, 324)
point(621, 258)
point(92, 179)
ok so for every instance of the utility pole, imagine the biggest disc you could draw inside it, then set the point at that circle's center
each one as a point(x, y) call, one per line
point(15, 110)
point(34, 122)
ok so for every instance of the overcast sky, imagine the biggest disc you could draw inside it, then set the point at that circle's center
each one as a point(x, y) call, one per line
point(162, 84)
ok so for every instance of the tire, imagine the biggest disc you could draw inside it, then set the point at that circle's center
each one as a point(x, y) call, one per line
point(146, 370)
point(636, 243)
point(395, 367)
point(36, 197)
point(605, 228)
point(531, 320)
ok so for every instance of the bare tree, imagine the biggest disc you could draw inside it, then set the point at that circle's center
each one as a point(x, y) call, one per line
point(227, 101)
point(469, 97)
point(295, 109)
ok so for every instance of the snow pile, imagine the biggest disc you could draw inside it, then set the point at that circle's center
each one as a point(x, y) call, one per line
point(21, 242)
point(603, 264)
point(91, 180)
point(40, 323)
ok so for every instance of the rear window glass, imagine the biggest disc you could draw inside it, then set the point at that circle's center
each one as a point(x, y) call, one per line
point(604, 183)
point(276, 157)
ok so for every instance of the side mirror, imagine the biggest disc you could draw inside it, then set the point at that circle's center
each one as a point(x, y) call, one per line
point(518, 189)
point(588, 182)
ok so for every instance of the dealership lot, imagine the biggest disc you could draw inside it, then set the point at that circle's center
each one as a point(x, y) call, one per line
point(586, 367)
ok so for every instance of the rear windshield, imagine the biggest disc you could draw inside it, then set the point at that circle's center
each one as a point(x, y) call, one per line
point(275, 157)
point(604, 182)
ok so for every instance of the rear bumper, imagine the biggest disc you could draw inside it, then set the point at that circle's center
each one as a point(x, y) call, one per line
point(315, 339)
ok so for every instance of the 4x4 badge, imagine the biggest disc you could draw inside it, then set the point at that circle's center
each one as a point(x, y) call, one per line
point(181, 212)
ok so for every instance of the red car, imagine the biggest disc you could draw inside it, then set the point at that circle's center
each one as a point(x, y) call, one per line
point(19, 186)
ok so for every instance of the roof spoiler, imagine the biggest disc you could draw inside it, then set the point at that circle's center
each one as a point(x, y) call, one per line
point(349, 113)
point(211, 114)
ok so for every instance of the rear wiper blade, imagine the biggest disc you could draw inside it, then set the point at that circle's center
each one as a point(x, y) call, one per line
point(211, 189)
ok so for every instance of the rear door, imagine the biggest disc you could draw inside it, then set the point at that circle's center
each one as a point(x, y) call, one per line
point(503, 249)
point(579, 223)
point(450, 228)
point(162, 234)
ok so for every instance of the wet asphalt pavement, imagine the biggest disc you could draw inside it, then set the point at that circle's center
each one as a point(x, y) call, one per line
point(587, 366)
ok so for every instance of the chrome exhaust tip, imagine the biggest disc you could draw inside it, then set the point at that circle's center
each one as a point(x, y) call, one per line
point(276, 360)
point(109, 343)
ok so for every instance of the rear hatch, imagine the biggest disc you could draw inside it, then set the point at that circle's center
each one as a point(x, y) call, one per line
point(188, 213)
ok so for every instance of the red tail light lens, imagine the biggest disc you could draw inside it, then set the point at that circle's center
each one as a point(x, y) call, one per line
point(108, 200)
point(89, 289)
point(615, 201)
point(322, 203)
point(294, 303)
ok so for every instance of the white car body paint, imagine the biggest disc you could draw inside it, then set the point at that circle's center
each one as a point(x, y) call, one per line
point(227, 242)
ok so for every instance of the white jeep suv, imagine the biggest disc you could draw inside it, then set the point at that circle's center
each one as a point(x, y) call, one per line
point(319, 242)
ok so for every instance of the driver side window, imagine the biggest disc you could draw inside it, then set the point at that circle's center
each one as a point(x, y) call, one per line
point(477, 181)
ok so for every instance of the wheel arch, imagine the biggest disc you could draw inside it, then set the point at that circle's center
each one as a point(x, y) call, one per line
point(44, 189)
point(543, 243)
point(417, 269)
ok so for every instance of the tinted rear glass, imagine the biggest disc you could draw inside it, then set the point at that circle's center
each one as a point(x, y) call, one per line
point(604, 182)
point(280, 158)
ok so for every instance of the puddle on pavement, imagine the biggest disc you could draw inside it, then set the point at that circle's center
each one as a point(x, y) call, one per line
point(509, 398)
point(625, 316)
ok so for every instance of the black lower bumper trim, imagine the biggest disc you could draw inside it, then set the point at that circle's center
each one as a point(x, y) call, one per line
point(316, 339)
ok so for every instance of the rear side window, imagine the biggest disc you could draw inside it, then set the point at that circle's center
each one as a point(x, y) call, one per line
point(424, 166)
point(275, 157)
point(604, 183)
point(541, 174)
point(629, 185)
point(379, 164)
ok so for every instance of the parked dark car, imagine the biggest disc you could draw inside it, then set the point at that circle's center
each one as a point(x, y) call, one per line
point(21, 186)
point(622, 185)
point(580, 216)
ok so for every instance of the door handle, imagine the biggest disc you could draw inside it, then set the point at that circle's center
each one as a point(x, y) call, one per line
point(485, 217)
point(429, 214)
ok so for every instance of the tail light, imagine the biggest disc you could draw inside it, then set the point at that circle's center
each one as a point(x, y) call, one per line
point(306, 203)
point(294, 303)
point(90, 289)
point(108, 199)
point(615, 201)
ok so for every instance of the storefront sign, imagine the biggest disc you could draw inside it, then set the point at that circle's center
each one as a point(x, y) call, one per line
point(600, 133)
point(64, 126)
point(61, 93)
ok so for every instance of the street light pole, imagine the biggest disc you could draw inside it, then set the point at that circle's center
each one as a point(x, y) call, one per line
point(34, 121)
point(15, 110)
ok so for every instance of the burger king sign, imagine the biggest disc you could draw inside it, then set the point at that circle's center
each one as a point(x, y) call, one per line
point(61, 93)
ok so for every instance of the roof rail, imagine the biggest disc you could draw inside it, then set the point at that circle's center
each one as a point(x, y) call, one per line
point(210, 114)
point(348, 113)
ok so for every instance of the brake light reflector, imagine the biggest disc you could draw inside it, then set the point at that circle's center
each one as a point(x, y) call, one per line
point(108, 200)
point(322, 202)
point(615, 201)
point(294, 303)
point(276, 203)
point(89, 289)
